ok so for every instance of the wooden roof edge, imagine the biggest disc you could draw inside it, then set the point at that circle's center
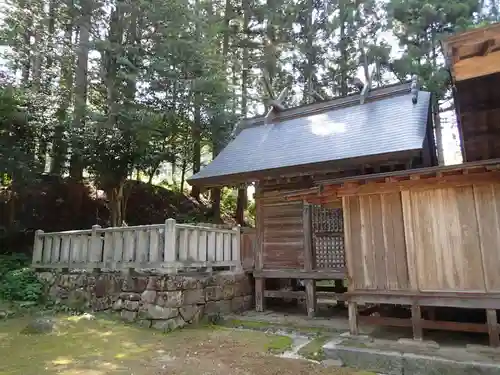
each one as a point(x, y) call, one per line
point(471, 35)
point(336, 103)
point(437, 170)
point(300, 193)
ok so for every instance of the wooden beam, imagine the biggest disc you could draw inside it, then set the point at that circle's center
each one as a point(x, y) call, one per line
point(477, 66)
point(307, 231)
point(416, 320)
point(353, 318)
point(299, 274)
point(493, 329)
point(418, 183)
point(292, 294)
point(311, 298)
point(259, 294)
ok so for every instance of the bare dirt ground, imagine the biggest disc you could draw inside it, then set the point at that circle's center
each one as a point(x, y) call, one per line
point(108, 347)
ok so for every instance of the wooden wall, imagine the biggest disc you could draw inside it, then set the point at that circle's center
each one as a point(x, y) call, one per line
point(281, 230)
point(375, 242)
point(432, 239)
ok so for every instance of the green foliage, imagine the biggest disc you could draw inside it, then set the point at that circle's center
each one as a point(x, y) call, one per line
point(17, 281)
point(228, 202)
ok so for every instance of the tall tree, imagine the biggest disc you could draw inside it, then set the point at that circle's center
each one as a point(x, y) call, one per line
point(419, 26)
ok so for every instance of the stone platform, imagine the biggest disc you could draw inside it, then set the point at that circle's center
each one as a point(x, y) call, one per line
point(163, 302)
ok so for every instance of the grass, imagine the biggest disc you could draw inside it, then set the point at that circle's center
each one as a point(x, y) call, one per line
point(105, 346)
point(314, 350)
point(278, 344)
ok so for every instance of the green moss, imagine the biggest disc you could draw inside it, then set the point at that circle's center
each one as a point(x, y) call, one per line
point(279, 344)
point(314, 350)
point(365, 373)
point(257, 325)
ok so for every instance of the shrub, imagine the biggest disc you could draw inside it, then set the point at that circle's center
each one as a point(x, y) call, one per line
point(17, 281)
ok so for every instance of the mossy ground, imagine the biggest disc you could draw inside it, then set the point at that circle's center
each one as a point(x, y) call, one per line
point(314, 350)
point(263, 326)
point(109, 347)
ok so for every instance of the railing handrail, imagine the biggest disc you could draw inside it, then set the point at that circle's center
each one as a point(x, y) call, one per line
point(168, 245)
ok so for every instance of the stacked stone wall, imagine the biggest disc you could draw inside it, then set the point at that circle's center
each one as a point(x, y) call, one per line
point(164, 302)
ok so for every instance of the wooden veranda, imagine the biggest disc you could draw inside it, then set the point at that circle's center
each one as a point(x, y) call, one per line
point(423, 238)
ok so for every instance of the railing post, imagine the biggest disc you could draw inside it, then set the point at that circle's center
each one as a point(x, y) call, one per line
point(170, 246)
point(38, 247)
point(236, 256)
point(95, 247)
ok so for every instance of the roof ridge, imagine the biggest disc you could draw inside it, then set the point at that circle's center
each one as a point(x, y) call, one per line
point(332, 104)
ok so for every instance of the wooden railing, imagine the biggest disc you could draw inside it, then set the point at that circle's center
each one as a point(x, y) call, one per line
point(168, 246)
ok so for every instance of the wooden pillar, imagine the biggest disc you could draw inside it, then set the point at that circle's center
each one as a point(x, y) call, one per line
point(493, 331)
point(311, 298)
point(259, 293)
point(309, 259)
point(416, 322)
point(259, 252)
point(353, 318)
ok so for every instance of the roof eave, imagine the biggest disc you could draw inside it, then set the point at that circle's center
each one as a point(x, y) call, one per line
point(297, 170)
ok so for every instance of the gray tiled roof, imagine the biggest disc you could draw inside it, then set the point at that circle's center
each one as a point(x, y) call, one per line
point(383, 126)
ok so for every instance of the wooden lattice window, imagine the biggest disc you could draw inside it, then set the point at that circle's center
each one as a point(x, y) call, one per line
point(328, 237)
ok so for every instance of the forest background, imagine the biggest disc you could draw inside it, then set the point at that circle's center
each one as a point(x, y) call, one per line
point(106, 106)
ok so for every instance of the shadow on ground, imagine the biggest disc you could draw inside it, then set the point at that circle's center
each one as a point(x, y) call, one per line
point(108, 347)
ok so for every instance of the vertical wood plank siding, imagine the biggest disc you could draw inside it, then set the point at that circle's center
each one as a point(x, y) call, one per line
point(425, 239)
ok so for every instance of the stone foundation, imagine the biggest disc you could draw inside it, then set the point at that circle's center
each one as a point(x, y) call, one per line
point(164, 302)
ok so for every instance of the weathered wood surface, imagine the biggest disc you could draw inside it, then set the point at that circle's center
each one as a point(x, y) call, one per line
point(248, 247)
point(377, 258)
point(445, 239)
point(281, 223)
point(170, 245)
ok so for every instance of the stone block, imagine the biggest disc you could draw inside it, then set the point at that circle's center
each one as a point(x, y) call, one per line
point(238, 304)
point(168, 325)
point(228, 292)
point(194, 296)
point(191, 282)
point(152, 283)
point(48, 278)
point(58, 293)
point(118, 305)
point(415, 364)
point(128, 316)
point(136, 284)
point(248, 301)
point(101, 304)
point(221, 307)
point(130, 296)
point(188, 313)
point(213, 293)
point(131, 305)
point(150, 311)
point(385, 362)
point(101, 287)
point(148, 296)
point(221, 279)
point(145, 323)
point(169, 299)
point(332, 363)
point(420, 344)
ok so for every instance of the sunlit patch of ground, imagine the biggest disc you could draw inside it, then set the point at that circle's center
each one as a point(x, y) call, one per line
point(107, 347)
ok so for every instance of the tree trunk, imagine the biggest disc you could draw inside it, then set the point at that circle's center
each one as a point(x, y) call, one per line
point(343, 48)
point(196, 136)
point(438, 130)
point(76, 164)
point(309, 66)
point(59, 145)
point(242, 199)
